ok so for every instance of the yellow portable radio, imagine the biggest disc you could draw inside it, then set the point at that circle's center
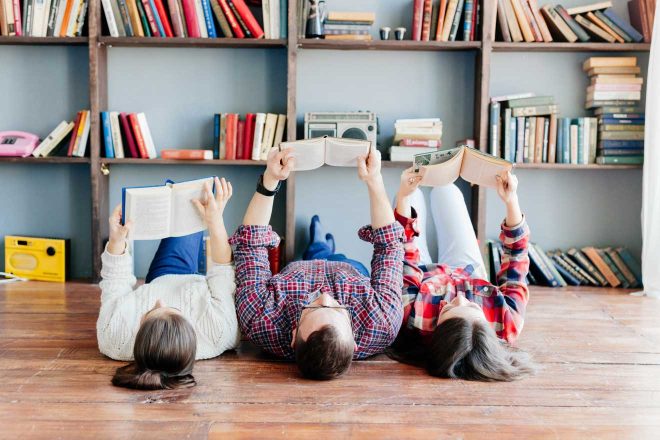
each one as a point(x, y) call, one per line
point(44, 259)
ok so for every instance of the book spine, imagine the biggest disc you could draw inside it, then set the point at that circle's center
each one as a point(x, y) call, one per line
point(566, 152)
point(441, 17)
point(52, 17)
point(134, 16)
point(449, 19)
point(631, 263)
point(531, 151)
point(525, 155)
point(208, 19)
point(543, 27)
point(615, 270)
point(457, 20)
point(418, 11)
point(222, 20)
point(597, 261)
point(175, 13)
point(164, 21)
point(72, 142)
point(235, 27)
point(594, 30)
point(216, 136)
point(520, 139)
point(546, 136)
point(107, 135)
point(191, 18)
point(80, 22)
point(541, 269)
point(222, 145)
point(241, 23)
point(151, 18)
point(265, 13)
point(637, 13)
point(232, 123)
point(548, 262)
point(475, 19)
point(625, 27)
point(139, 140)
point(608, 25)
point(143, 18)
point(128, 136)
point(79, 134)
point(82, 146)
point(284, 19)
point(567, 275)
point(125, 18)
point(575, 269)
point(535, 110)
point(620, 160)
point(186, 154)
point(621, 266)
point(552, 139)
point(580, 140)
point(577, 30)
point(467, 20)
point(240, 139)
point(259, 123)
point(584, 262)
point(249, 135)
point(532, 21)
point(57, 139)
point(494, 127)
point(426, 20)
point(156, 17)
point(525, 26)
point(115, 132)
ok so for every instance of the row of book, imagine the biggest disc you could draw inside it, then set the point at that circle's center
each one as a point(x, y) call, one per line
point(589, 266)
point(447, 20)
point(127, 135)
point(523, 20)
point(348, 25)
point(69, 138)
point(43, 18)
point(614, 95)
point(195, 18)
point(250, 138)
point(415, 136)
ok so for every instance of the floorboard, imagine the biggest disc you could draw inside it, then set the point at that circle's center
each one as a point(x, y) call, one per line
point(597, 351)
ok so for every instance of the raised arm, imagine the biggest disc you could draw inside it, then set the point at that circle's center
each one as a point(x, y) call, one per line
point(211, 209)
point(407, 217)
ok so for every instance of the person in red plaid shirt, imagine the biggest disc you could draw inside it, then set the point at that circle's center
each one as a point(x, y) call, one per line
point(321, 313)
point(455, 321)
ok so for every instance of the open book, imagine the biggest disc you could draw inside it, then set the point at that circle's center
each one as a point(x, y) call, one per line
point(313, 153)
point(444, 166)
point(163, 211)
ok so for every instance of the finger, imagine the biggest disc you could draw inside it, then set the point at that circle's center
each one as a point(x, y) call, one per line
point(117, 211)
point(128, 226)
point(231, 190)
point(218, 187)
point(290, 164)
point(199, 207)
point(225, 189)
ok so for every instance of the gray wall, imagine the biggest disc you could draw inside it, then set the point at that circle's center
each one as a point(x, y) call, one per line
point(42, 86)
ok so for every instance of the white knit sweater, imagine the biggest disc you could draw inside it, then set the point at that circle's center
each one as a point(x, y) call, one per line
point(206, 301)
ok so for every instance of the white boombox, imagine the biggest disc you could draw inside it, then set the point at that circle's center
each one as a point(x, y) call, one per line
point(350, 125)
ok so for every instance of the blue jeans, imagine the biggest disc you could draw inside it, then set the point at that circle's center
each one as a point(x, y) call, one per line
point(177, 256)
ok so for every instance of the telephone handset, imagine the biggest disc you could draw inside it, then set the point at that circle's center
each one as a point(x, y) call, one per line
point(17, 143)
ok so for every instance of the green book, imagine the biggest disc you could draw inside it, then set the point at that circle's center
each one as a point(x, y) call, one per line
point(531, 102)
point(613, 267)
point(536, 110)
point(627, 135)
point(586, 264)
point(620, 160)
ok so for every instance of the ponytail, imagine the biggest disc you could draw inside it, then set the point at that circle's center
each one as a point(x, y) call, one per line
point(128, 376)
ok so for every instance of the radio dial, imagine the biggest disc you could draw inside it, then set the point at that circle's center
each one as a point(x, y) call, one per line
point(50, 251)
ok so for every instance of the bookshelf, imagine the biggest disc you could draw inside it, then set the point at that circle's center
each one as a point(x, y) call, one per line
point(98, 46)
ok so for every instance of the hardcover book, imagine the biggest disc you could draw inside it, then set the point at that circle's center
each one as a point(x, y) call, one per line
point(314, 153)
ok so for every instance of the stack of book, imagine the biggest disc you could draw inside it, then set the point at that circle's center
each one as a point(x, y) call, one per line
point(614, 94)
point(250, 138)
point(523, 20)
point(642, 14)
point(348, 25)
point(447, 20)
point(590, 266)
point(127, 135)
point(415, 136)
point(43, 18)
point(67, 139)
point(195, 18)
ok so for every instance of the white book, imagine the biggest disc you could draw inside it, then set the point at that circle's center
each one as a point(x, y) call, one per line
point(38, 12)
point(200, 19)
point(259, 122)
point(57, 139)
point(115, 131)
point(313, 153)
point(119, 24)
point(71, 25)
point(423, 122)
point(269, 135)
point(585, 140)
point(279, 130)
point(44, 22)
point(265, 9)
point(80, 21)
point(159, 212)
point(8, 16)
point(60, 16)
point(146, 134)
point(82, 146)
point(274, 18)
point(48, 139)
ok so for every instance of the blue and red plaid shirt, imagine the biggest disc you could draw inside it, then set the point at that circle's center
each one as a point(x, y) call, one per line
point(427, 288)
point(269, 307)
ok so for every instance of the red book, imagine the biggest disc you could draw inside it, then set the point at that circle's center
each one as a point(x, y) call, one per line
point(249, 135)
point(72, 142)
point(235, 27)
point(150, 18)
point(167, 27)
point(426, 20)
point(187, 154)
point(18, 26)
point(248, 18)
point(128, 135)
point(191, 18)
point(475, 8)
point(232, 125)
point(420, 143)
point(532, 21)
point(139, 140)
point(637, 13)
point(240, 139)
point(418, 13)
point(441, 19)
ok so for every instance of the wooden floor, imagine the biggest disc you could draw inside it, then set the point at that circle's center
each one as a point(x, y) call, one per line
point(598, 350)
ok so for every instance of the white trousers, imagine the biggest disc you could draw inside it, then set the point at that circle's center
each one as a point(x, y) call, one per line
point(457, 242)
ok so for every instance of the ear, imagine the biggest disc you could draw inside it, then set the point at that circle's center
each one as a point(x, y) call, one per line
point(293, 337)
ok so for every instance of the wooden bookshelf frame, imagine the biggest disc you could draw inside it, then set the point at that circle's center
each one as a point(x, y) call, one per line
point(98, 94)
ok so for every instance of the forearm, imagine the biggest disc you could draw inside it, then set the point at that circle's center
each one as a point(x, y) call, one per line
point(513, 213)
point(261, 207)
point(116, 247)
point(381, 210)
point(220, 249)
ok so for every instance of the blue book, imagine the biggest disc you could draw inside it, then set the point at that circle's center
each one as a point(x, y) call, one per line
point(566, 275)
point(208, 19)
point(159, 24)
point(284, 19)
point(626, 27)
point(216, 136)
point(621, 144)
point(616, 121)
point(467, 19)
point(580, 141)
point(566, 152)
point(107, 135)
point(639, 116)
point(559, 154)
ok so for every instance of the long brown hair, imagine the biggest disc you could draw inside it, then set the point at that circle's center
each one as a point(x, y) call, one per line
point(464, 349)
point(164, 353)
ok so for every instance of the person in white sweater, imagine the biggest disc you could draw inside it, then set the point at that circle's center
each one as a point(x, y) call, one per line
point(177, 316)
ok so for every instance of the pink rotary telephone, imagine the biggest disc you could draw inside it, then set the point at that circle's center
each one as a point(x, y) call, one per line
point(17, 143)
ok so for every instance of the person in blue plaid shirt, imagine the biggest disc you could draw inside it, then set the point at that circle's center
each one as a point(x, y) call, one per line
point(321, 313)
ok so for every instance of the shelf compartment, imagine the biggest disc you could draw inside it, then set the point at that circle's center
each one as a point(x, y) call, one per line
point(500, 46)
point(44, 41)
point(405, 45)
point(191, 42)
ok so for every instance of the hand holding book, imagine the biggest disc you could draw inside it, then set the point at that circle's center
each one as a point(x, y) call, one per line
point(211, 207)
point(118, 232)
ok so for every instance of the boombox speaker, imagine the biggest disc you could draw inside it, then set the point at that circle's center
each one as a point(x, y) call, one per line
point(43, 259)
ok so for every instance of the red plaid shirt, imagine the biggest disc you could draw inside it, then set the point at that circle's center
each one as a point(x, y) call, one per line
point(269, 307)
point(427, 288)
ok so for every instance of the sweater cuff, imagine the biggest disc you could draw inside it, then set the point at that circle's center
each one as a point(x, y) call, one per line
point(255, 236)
point(387, 234)
point(112, 260)
point(410, 226)
point(511, 234)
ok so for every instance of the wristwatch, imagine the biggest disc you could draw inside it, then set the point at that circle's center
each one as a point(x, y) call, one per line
point(261, 189)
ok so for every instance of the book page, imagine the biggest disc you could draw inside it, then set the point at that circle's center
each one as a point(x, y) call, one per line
point(149, 210)
point(440, 167)
point(344, 152)
point(481, 168)
point(185, 217)
point(309, 153)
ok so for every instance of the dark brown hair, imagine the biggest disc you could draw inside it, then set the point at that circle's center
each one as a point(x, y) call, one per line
point(164, 353)
point(325, 354)
point(465, 349)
